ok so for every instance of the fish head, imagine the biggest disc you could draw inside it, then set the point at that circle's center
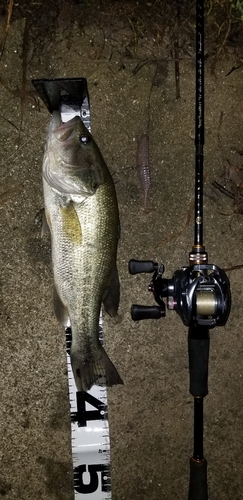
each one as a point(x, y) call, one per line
point(73, 163)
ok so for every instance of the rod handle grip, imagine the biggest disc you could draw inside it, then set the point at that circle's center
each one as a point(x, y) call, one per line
point(198, 486)
point(198, 349)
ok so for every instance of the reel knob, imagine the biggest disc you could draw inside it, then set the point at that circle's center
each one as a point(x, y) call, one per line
point(147, 312)
point(142, 266)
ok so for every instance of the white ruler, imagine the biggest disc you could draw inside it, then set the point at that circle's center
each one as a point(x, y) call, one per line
point(89, 413)
point(90, 437)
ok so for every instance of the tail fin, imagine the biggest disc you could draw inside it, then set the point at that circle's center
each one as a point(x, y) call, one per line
point(98, 371)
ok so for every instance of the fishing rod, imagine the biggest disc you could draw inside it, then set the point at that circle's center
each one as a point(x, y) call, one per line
point(199, 293)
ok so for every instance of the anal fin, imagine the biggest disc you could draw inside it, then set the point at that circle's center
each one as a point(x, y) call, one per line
point(60, 310)
point(111, 297)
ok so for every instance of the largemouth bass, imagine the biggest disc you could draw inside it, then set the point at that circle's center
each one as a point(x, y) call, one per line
point(82, 214)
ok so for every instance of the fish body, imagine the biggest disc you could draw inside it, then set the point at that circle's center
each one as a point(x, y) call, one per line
point(82, 214)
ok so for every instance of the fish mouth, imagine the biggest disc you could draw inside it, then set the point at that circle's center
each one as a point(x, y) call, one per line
point(63, 131)
point(61, 169)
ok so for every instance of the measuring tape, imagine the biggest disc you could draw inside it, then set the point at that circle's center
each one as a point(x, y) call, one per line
point(89, 436)
point(89, 413)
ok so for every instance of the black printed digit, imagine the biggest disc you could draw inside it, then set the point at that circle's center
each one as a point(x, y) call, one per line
point(93, 485)
point(82, 415)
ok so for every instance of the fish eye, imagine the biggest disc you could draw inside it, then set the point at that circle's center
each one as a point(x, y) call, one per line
point(84, 139)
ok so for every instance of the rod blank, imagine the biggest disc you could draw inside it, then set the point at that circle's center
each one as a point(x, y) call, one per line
point(199, 128)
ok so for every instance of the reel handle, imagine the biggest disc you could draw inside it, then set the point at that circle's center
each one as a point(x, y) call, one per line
point(142, 266)
point(146, 312)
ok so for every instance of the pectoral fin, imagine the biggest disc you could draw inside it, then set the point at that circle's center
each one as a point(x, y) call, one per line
point(111, 297)
point(45, 226)
point(60, 309)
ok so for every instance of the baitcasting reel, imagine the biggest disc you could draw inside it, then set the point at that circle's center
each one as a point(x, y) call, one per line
point(199, 293)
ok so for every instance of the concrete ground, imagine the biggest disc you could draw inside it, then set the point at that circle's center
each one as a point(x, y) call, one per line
point(151, 416)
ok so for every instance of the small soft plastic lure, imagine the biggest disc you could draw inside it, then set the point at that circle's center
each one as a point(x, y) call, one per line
point(143, 166)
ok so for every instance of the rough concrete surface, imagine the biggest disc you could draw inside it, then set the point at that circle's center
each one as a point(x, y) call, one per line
point(151, 416)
